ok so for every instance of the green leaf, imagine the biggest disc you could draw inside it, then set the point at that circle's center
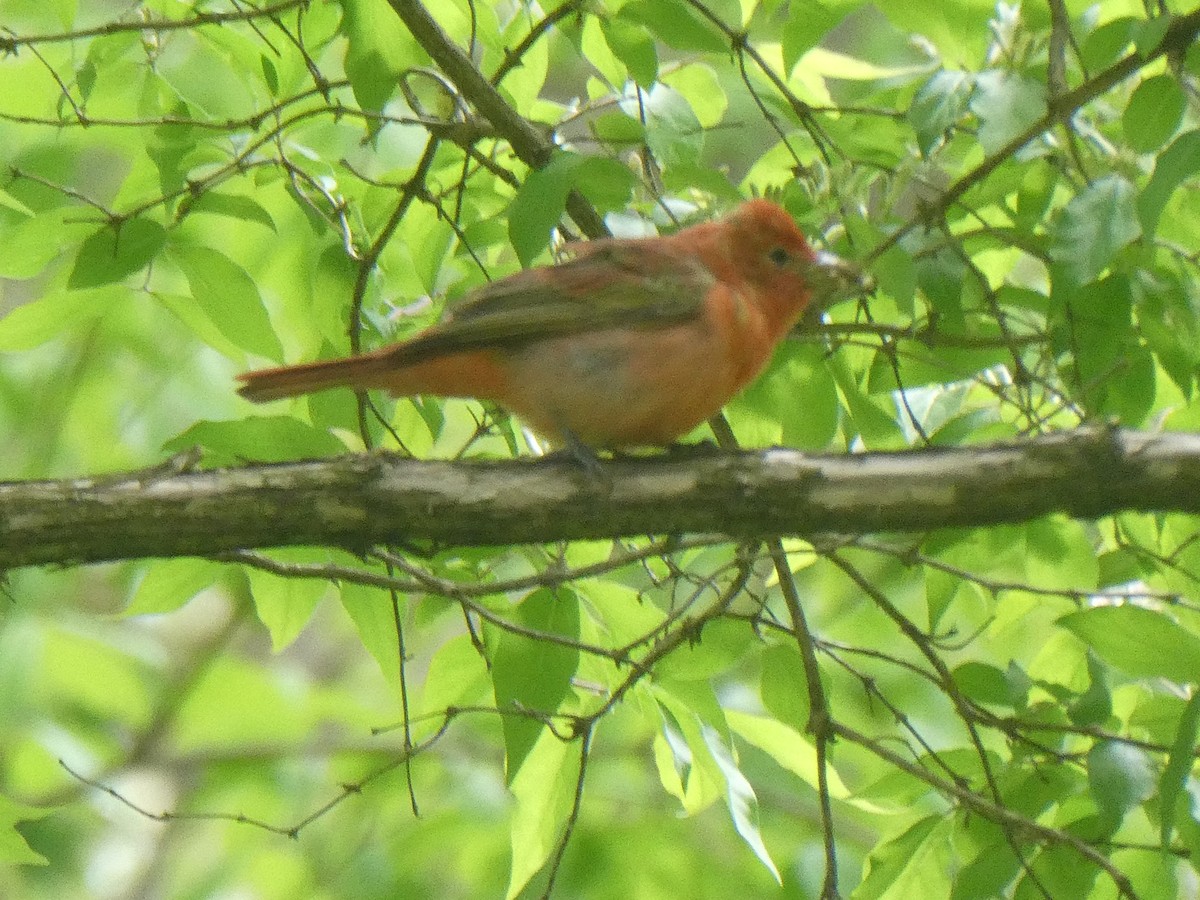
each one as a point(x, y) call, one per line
point(1172, 784)
point(1055, 871)
point(940, 104)
point(1093, 706)
point(539, 204)
point(1119, 567)
point(672, 760)
point(542, 790)
point(675, 25)
point(1170, 326)
point(1006, 104)
point(880, 55)
point(617, 128)
point(606, 183)
point(1174, 166)
point(170, 583)
point(718, 648)
point(740, 798)
point(783, 686)
point(985, 683)
point(1038, 180)
point(232, 704)
point(111, 254)
point(1139, 641)
point(533, 674)
point(66, 10)
point(1105, 44)
point(1102, 333)
point(261, 439)
point(1153, 113)
point(701, 88)
point(8, 201)
point(897, 276)
point(634, 47)
point(1130, 394)
point(457, 674)
point(370, 610)
point(1099, 221)
point(1059, 554)
point(234, 206)
point(915, 863)
point(229, 297)
point(30, 244)
point(96, 678)
point(286, 605)
point(211, 78)
point(673, 132)
point(1150, 34)
point(270, 74)
point(1120, 777)
point(993, 867)
point(595, 48)
point(683, 179)
point(541, 200)
point(202, 327)
point(790, 749)
point(32, 324)
point(1179, 548)
point(379, 49)
point(1154, 875)
point(941, 593)
point(691, 773)
point(867, 419)
point(14, 851)
point(808, 22)
point(523, 86)
point(797, 392)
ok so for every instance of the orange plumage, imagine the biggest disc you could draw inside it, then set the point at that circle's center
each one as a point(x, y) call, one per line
point(631, 342)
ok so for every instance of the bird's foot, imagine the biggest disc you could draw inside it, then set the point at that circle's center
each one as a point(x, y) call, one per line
point(692, 451)
point(576, 451)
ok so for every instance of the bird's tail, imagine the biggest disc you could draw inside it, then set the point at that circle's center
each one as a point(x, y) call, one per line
point(368, 370)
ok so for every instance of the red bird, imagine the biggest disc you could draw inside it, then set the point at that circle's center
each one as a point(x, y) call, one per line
point(631, 342)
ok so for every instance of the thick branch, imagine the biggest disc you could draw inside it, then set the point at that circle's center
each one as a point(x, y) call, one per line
point(359, 501)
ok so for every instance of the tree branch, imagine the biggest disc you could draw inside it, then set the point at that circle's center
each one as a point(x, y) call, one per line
point(530, 145)
point(355, 502)
point(10, 42)
point(1179, 36)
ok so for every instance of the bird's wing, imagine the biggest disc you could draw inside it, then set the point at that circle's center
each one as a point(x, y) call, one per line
point(608, 283)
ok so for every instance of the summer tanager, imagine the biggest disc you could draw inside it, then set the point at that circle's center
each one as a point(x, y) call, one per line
point(631, 342)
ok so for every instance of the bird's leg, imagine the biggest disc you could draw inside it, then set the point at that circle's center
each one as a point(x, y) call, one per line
point(570, 447)
point(582, 454)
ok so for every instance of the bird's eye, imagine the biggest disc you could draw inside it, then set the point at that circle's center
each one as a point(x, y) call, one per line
point(779, 256)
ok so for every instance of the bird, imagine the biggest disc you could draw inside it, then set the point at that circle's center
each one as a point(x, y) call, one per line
point(629, 342)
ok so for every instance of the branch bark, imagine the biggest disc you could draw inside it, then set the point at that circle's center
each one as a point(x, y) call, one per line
point(356, 502)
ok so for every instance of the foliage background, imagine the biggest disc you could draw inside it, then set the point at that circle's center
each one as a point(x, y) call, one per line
point(193, 189)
